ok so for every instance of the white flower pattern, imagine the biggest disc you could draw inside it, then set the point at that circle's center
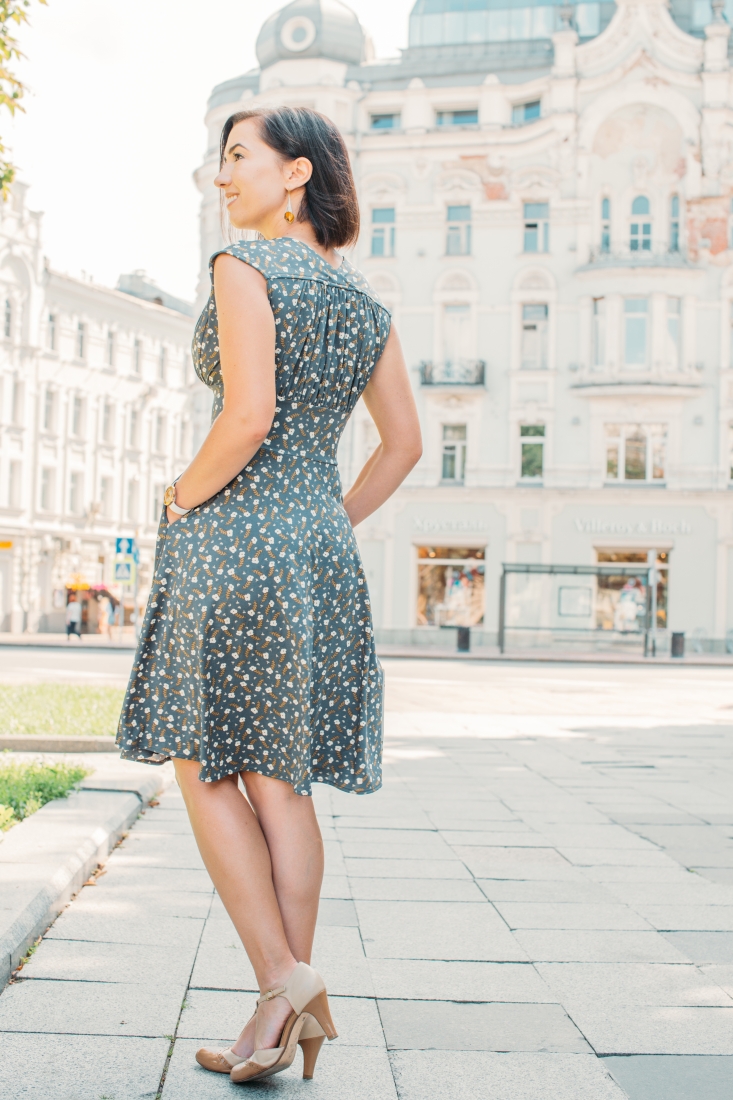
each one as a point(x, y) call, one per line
point(257, 649)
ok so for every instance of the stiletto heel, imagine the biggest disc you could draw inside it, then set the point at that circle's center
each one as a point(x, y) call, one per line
point(308, 1024)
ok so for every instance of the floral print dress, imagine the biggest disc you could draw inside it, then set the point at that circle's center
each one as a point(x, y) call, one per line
point(257, 650)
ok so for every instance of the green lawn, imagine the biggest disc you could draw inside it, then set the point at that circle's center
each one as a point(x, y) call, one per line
point(59, 710)
point(24, 788)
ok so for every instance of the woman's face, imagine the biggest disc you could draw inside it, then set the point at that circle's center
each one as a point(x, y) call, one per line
point(255, 181)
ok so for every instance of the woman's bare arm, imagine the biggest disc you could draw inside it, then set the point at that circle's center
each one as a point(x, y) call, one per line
point(391, 404)
point(247, 353)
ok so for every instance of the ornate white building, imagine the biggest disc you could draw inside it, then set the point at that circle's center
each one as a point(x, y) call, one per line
point(95, 418)
point(546, 197)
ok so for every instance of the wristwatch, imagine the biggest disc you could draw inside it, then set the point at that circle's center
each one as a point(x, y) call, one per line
point(169, 499)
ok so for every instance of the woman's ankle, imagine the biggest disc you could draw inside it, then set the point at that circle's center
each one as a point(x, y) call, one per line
point(276, 977)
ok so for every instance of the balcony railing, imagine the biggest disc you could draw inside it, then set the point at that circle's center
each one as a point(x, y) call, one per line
point(624, 257)
point(453, 372)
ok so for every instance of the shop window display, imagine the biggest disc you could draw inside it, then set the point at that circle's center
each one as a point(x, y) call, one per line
point(621, 601)
point(450, 585)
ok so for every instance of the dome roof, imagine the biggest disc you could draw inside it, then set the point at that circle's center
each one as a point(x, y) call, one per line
point(311, 28)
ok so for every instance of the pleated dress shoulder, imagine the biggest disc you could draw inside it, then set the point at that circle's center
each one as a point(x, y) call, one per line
point(257, 649)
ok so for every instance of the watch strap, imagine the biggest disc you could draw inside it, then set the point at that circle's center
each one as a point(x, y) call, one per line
point(178, 511)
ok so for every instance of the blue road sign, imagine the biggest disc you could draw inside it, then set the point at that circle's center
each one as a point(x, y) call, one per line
point(124, 546)
point(124, 571)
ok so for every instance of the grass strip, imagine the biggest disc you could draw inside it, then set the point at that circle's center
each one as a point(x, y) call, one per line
point(59, 710)
point(25, 787)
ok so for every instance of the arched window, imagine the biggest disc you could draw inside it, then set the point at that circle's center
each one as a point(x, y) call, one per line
point(674, 223)
point(640, 230)
point(605, 225)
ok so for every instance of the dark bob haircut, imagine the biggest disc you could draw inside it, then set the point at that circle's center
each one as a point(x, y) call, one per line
point(330, 202)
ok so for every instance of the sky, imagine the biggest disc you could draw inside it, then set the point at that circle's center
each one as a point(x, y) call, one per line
point(113, 128)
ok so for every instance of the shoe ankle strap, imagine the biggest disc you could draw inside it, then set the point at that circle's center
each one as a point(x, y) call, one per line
point(270, 994)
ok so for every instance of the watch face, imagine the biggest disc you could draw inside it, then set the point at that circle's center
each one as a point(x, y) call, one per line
point(169, 495)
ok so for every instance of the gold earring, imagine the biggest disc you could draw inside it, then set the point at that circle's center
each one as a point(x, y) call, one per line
point(289, 215)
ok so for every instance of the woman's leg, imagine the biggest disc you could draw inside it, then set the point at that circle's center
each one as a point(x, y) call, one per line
point(236, 854)
point(288, 821)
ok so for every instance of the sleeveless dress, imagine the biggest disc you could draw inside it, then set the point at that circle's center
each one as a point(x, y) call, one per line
point(257, 650)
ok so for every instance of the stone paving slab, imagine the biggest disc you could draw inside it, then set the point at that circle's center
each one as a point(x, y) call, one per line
point(436, 930)
point(703, 947)
point(447, 1025)
point(455, 1075)
point(673, 1077)
point(631, 1029)
point(71, 960)
point(90, 1008)
point(75, 1067)
point(617, 984)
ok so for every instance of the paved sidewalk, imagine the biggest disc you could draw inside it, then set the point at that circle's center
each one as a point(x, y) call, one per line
point(533, 908)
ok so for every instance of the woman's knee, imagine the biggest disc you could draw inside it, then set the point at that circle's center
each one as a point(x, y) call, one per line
point(187, 777)
point(264, 790)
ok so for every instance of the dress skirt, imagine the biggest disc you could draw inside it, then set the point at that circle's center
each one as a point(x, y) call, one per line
point(257, 648)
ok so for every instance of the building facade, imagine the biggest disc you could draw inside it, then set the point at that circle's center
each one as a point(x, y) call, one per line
point(95, 420)
point(547, 204)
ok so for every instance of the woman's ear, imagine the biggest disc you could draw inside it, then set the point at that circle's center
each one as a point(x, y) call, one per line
point(299, 172)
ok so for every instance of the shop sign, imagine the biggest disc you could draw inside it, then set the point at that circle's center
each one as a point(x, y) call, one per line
point(449, 526)
point(633, 527)
point(6, 545)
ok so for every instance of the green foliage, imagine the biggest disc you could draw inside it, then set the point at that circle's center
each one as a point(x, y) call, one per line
point(7, 818)
point(11, 89)
point(60, 710)
point(24, 788)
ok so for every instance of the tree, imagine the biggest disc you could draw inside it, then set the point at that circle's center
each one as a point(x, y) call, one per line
point(11, 88)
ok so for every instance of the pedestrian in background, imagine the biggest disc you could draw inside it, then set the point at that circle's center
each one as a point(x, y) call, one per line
point(256, 656)
point(73, 616)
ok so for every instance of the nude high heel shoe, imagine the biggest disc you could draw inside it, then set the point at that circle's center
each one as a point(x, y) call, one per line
point(305, 990)
point(220, 1061)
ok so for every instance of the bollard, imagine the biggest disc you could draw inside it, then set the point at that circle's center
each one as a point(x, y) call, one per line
point(464, 639)
point(678, 643)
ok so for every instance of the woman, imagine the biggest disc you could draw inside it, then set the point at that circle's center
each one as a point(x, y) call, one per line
point(256, 659)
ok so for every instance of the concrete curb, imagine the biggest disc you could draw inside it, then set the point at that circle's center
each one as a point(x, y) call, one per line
point(46, 859)
point(33, 742)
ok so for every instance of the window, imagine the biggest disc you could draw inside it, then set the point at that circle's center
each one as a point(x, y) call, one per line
point(106, 491)
point(384, 122)
point(453, 464)
point(81, 340)
point(137, 356)
point(108, 422)
point(536, 227)
point(133, 490)
point(635, 332)
point(640, 230)
point(534, 337)
point(162, 363)
point(77, 416)
point(134, 432)
point(635, 452)
point(18, 403)
point(160, 432)
point(674, 223)
point(621, 599)
point(48, 478)
point(8, 319)
point(532, 441)
point(457, 118)
point(383, 231)
point(674, 333)
point(456, 333)
point(49, 410)
point(15, 479)
point(158, 493)
point(76, 492)
point(450, 585)
point(51, 332)
point(605, 225)
point(599, 332)
point(458, 239)
point(110, 348)
point(525, 112)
